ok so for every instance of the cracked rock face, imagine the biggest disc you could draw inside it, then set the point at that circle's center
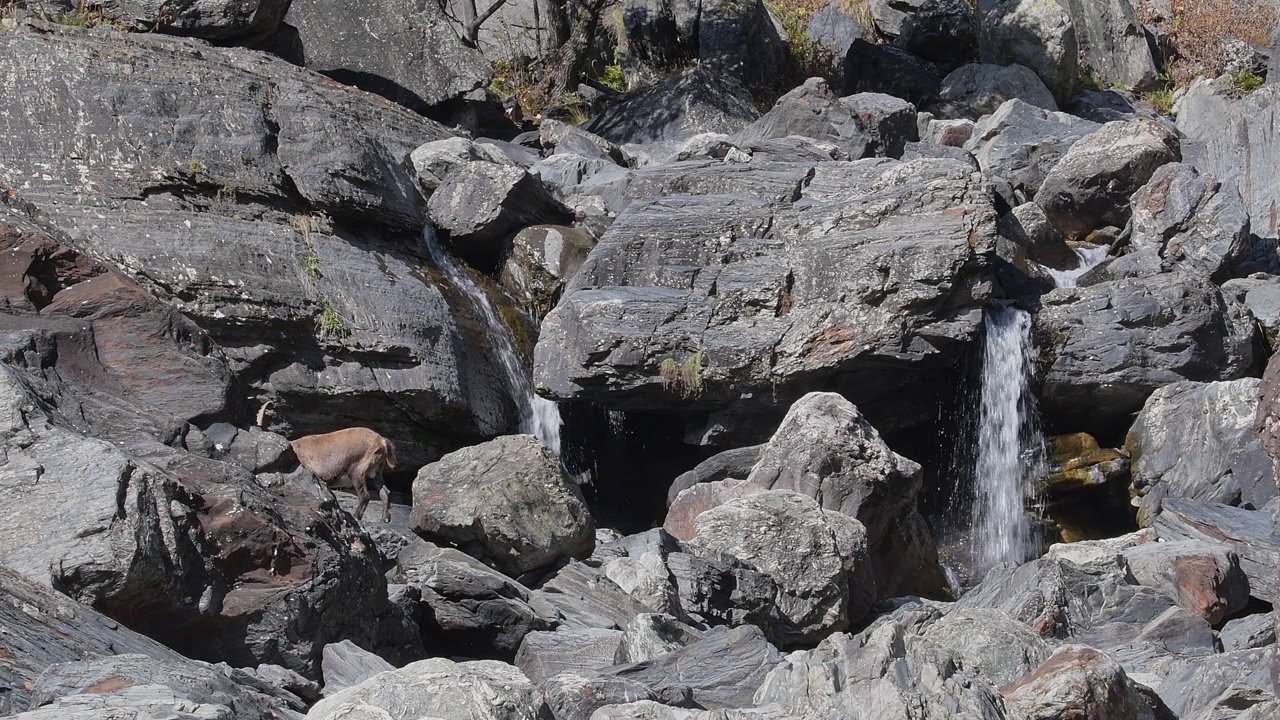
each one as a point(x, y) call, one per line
point(869, 278)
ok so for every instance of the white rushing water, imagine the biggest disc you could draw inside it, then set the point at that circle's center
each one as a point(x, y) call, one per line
point(539, 416)
point(1087, 258)
point(1010, 449)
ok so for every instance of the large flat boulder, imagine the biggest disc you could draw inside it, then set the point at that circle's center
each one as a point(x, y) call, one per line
point(438, 687)
point(403, 50)
point(1108, 347)
point(844, 288)
point(1039, 35)
point(1189, 219)
point(272, 207)
point(1113, 43)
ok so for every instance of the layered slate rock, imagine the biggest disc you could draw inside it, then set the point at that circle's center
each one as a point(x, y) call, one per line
point(510, 497)
point(768, 531)
point(1267, 420)
point(1036, 34)
point(253, 200)
point(1091, 183)
point(1018, 144)
point(1196, 440)
point(1107, 347)
point(1188, 219)
point(1244, 146)
point(696, 101)
point(542, 260)
point(974, 90)
point(197, 551)
point(45, 630)
point(740, 305)
point(403, 50)
point(862, 125)
point(1204, 578)
point(888, 667)
point(1113, 43)
point(472, 609)
point(1251, 534)
point(826, 449)
point(216, 21)
point(1076, 681)
point(439, 688)
point(991, 643)
point(479, 205)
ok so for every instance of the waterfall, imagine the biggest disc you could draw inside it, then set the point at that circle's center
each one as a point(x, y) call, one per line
point(539, 416)
point(1087, 258)
point(1010, 452)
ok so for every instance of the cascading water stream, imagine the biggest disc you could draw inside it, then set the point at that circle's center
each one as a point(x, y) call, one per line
point(1010, 453)
point(539, 416)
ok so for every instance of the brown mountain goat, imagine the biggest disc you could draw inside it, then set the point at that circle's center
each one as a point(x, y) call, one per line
point(353, 457)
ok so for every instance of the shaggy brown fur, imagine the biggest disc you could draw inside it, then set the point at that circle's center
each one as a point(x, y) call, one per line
point(354, 457)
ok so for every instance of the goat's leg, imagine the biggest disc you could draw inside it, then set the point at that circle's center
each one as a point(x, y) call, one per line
point(362, 492)
point(385, 494)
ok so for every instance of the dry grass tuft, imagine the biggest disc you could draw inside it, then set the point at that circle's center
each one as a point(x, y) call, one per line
point(1202, 32)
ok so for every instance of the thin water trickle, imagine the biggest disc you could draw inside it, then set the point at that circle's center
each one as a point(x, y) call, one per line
point(539, 416)
point(1010, 453)
point(1087, 258)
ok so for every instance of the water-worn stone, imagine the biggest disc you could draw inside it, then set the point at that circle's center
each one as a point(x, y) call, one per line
point(1204, 578)
point(649, 635)
point(403, 50)
point(678, 108)
point(723, 670)
point(1039, 35)
point(1250, 533)
point(974, 90)
point(511, 498)
point(1093, 603)
point(1018, 144)
point(690, 324)
point(438, 688)
point(1196, 440)
point(826, 449)
point(474, 610)
point(767, 531)
point(862, 125)
point(1077, 682)
point(587, 598)
point(543, 655)
point(1191, 220)
point(1108, 347)
point(432, 162)
point(578, 697)
point(1248, 632)
point(1090, 185)
point(1200, 681)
